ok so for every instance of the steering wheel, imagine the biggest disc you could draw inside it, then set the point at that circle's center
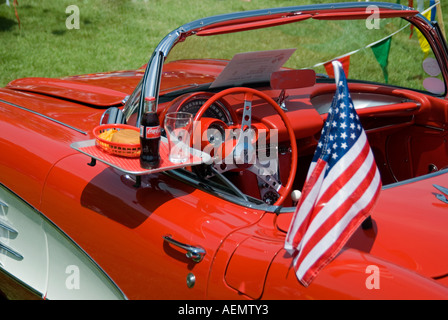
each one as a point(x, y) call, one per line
point(242, 148)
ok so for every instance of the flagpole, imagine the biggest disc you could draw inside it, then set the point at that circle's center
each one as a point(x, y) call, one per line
point(336, 71)
point(340, 190)
point(440, 18)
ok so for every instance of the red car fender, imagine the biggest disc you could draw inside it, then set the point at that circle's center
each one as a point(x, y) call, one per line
point(351, 275)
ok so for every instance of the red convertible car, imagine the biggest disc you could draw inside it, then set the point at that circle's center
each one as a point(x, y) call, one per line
point(79, 223)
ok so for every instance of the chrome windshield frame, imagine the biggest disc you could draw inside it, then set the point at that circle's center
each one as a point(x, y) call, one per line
point(153, 74)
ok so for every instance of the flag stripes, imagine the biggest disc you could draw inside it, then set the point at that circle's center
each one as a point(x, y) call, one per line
point(341, 188)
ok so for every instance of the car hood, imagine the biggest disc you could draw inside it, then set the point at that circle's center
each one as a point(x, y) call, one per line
point(99, 90)
point(103, 90)
point(410, 227)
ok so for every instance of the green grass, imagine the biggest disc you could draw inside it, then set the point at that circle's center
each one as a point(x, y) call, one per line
point(113, 34)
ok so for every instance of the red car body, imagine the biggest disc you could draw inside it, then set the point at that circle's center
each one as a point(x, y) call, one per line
point(123, 227)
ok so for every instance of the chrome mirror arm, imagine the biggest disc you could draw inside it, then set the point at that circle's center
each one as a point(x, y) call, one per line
point(112, 115)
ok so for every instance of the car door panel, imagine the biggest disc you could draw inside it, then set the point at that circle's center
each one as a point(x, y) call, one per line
point(124, 227)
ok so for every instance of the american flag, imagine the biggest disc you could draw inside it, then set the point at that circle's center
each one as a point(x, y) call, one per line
point(342, 185)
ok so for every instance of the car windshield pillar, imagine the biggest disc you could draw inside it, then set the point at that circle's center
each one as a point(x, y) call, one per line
point(150, 84)
point(151, 80)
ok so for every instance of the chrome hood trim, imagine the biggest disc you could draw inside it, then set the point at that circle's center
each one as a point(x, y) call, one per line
point(43, 116)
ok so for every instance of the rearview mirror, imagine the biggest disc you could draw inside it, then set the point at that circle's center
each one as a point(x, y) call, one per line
point(292, 79)
point(112, 115)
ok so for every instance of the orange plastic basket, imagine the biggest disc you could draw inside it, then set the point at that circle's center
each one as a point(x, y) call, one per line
point(119, 149)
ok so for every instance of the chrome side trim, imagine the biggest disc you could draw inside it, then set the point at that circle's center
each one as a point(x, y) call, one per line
point(8, 227)
point(442, 197)
point(53, 232)
point(23, 284)
point(4, 205)
point(43, 116)
point(11, 251)
point(398, 184)
point(3, 224)
point(423, 177)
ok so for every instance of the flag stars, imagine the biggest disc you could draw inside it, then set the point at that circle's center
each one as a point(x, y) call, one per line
point(342, 127)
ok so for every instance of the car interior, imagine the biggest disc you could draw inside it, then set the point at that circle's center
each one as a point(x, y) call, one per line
point(404, 120)
point(405, 130)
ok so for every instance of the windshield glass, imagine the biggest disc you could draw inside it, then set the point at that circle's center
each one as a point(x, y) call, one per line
point(387, 51)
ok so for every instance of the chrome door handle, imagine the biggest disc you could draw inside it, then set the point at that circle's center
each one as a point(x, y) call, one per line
point(194, 253)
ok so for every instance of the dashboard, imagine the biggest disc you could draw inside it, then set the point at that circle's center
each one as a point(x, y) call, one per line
point(360, 101)
point(370, 101)
point(191, 103)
